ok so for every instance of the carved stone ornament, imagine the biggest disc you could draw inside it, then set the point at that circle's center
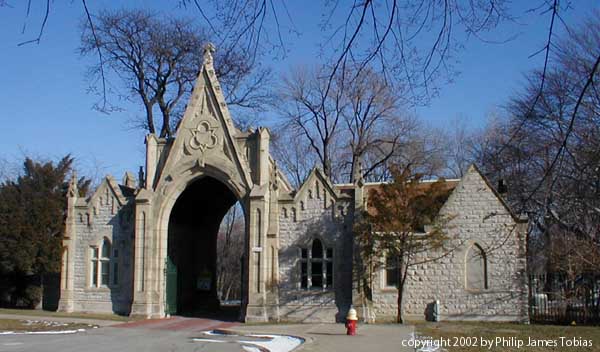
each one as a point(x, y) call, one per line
point(203, 137)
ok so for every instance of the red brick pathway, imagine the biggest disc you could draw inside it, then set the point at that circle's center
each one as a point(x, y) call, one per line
point(178, 324)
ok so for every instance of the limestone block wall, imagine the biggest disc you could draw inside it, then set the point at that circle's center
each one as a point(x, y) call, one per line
point(478, 217)
point(315, 216)
point(103, 218)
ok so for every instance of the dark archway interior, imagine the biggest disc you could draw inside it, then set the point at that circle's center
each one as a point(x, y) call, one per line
point(192, 247)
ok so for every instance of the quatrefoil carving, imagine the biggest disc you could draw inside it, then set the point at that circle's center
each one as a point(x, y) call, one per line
point(203, 137)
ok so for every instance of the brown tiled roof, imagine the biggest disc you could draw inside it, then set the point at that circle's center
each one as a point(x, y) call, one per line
point(447, 185)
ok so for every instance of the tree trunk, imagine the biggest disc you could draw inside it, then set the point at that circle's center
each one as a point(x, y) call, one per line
point(355, 171)
point(165, 131)
point(403, 272)
point(400, 280)
point(149, 117)
point(399, 319)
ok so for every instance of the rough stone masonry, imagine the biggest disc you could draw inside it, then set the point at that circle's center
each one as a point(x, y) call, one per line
point(138, 248)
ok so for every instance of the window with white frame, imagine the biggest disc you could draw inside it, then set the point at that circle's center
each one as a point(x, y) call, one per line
point(104, 268)
point(316, 266)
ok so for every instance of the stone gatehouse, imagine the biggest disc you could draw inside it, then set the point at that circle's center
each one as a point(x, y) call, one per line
point(148, 248)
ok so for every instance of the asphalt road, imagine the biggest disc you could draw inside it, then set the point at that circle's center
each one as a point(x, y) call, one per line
point(110, 339)
point(184, 334)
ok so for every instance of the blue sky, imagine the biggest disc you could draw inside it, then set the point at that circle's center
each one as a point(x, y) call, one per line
point(47, 112)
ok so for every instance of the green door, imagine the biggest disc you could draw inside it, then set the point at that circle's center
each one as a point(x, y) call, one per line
point(171, 271)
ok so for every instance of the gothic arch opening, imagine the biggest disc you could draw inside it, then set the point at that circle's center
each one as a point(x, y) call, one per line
point(476, 267)
point(205, 215)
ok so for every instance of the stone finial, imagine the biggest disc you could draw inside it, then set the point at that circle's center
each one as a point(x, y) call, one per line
point(209, 49)
point(357, 178)
point(73, 190)
point(129, 180)
point(141, 178)
point(274, 177)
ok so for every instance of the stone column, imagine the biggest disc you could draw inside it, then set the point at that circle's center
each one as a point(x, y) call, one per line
point(258, 224)
point(272, 250)
point(151, 160)
point(255, 310)
point(145, 297)
point(359, 297)
point(69, 246)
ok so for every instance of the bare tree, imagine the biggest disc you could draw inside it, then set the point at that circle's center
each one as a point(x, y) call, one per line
point(549, 157)
point(353, 129)
point(413, 42)
point(230, 248)
point(157, 60)
point(373, 123)
point(313, 110)
point(254, 25)
point(410, 42)
point(420, 147)
point(459, 153)
point(293, 154)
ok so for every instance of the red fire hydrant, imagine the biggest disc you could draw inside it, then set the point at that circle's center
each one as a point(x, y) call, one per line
point(351, 321)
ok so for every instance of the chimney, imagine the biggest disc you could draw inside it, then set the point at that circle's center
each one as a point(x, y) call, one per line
point(502, 189)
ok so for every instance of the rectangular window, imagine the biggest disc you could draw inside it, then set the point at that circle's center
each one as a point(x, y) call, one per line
point(304, 275)
point(392, 274)
point(95, 273)
point(115, 253)
point(329, 273)
point(317, 274)
point(105, 269)
point(304, 253)
point(329, 253)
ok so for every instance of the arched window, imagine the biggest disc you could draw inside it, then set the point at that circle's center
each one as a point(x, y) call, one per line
point(476, 269)
point(316, 266)
point(104, 265)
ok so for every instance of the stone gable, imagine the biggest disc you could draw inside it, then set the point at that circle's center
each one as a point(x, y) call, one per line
point(299, 250)
point(479, 217)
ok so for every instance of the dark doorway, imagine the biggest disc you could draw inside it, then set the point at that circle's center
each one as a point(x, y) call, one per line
point(191, 266)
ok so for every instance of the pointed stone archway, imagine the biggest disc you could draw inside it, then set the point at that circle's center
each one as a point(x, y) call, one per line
point(191, 263)
point(207, 146)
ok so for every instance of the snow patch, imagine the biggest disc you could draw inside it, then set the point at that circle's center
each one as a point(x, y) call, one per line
point(197, 339)
point(55, 332)
point(276, 343)
point(272, 343)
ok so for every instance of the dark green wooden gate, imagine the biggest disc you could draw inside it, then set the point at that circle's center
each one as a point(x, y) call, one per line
point(171, 273)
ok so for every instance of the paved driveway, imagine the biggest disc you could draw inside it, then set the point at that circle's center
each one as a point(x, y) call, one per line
point(188, 334)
